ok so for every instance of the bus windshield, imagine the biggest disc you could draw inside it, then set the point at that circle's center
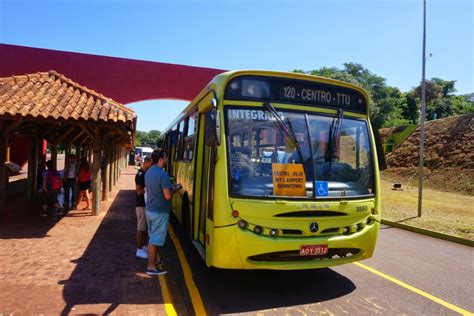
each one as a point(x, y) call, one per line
point(297, 155)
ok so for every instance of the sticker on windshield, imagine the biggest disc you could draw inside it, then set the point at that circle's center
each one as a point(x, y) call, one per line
point(254, 115)
point(288, 179)
point(322, 188)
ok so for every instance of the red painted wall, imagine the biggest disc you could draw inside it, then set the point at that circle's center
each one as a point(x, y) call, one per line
point(19, 146)
point(123, 80)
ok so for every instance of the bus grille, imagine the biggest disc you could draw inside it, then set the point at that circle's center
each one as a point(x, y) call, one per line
point(291, 232)
point(311, 214)
point(294, 255)
point(331, 231)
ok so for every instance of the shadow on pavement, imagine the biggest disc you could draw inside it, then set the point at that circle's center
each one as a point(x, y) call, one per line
point(21, 218)
point(108, 272)
point(240, 291)
point(246, 291)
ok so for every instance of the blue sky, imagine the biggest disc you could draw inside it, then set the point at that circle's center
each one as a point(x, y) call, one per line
point(383, 35)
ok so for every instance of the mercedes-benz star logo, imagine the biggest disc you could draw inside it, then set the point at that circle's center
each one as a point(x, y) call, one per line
point(313, 227)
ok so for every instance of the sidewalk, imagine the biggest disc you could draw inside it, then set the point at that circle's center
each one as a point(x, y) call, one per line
point(82, 264)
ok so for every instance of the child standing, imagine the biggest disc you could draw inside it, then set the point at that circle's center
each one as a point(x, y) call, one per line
point(51, 186)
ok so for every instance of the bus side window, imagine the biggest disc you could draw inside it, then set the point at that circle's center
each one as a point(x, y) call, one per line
point(166, 148)
point(189, 139)
point(180, 144)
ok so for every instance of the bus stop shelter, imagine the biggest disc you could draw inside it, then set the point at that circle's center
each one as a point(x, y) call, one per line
point(49, 106)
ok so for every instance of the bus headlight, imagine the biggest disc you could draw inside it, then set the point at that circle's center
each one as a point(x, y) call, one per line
point(273, 232)
point(258, 229)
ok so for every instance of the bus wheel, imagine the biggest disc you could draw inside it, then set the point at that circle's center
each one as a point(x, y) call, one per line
point(186, 217)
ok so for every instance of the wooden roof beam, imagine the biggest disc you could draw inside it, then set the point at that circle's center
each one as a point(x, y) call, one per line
point(89, 131)
point(7, 126)
point(81, 133)
point(67, 133)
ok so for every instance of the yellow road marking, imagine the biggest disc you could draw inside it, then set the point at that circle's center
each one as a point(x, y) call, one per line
point(188, 276)
point(169, 308)
point(417, 291)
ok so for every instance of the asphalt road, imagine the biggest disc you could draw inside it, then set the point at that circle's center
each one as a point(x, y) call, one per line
point(442, 271)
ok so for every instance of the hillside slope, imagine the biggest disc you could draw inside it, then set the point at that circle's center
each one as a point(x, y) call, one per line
point(449, 155)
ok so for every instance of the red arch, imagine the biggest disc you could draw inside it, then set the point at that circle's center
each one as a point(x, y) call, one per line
point(124, 80)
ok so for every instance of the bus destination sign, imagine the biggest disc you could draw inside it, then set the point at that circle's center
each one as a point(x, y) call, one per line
point(324, 95)
point(295, 91)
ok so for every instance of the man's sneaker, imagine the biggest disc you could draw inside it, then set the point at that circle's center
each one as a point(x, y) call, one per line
point(159, 270)
point(142, 254)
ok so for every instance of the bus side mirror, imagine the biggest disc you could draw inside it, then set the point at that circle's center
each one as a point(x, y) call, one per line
point(159, 143)
point(213, 128)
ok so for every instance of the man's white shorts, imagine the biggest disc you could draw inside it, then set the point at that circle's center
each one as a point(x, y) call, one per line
point(141, 218)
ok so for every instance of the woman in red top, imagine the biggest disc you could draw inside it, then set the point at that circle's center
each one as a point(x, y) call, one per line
point(85, 174)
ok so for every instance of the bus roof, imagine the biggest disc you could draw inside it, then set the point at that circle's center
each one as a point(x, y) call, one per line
point(220, 81)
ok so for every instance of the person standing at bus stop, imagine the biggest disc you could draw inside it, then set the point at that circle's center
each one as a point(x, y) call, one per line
point(159, 191)
point(51, 186)
point(85, 178)
point(71, 171)
point(141, 238)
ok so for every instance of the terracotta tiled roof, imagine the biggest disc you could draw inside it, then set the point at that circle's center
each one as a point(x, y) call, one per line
point(52, 95)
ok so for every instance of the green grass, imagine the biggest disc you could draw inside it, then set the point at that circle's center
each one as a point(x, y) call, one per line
point(444, 212)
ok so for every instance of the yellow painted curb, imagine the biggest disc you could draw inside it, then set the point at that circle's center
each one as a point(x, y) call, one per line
point(188, 276)
point(167, 299)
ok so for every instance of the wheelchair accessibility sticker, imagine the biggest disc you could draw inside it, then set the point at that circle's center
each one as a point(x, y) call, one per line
point(322, 188)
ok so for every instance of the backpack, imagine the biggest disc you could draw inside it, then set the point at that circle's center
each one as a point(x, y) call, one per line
point(53, 180)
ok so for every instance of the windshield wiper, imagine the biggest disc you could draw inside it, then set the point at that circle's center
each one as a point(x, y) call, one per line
point(285, 126)
point(334, 136)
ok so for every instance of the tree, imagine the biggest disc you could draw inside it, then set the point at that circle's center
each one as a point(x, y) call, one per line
point(154, 136)
point(432, 91)
point(384, 101)
point(440, 99)
point(461, 104)
point(447, 87)
point(410, 108)
point(389, 107)
point(147, 138)
point(333, 73)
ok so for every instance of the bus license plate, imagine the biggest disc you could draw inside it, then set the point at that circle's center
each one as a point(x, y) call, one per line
point(313, 250)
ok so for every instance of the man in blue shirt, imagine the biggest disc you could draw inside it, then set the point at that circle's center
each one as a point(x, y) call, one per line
point(159, 192)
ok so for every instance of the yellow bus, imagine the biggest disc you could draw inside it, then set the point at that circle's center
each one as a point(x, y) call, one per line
point(279, 171)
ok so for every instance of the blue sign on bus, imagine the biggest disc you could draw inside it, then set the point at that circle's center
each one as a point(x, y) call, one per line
point(322, 188)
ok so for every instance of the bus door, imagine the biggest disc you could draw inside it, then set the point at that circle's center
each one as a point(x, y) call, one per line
point(207, 177)
point(205, 192)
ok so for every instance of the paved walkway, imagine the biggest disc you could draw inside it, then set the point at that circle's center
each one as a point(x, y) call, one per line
point(82, 264)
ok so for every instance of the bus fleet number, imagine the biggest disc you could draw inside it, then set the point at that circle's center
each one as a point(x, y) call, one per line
point(290, 92)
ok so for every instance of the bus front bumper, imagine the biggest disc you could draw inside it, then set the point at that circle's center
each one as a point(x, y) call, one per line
point(248, 250)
